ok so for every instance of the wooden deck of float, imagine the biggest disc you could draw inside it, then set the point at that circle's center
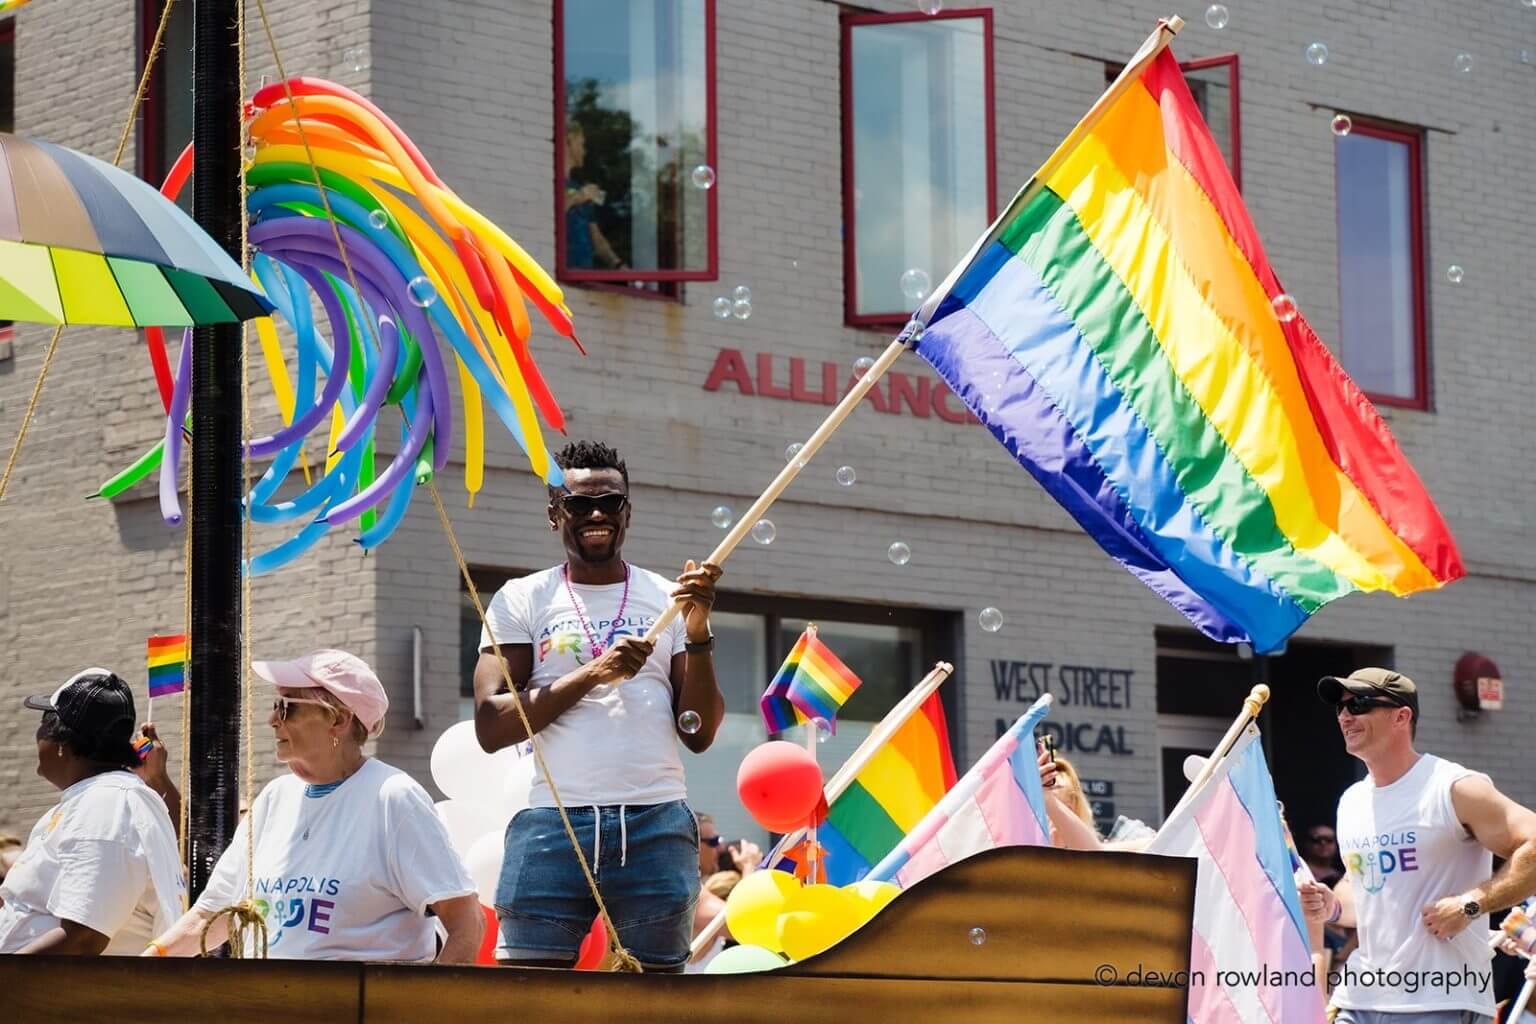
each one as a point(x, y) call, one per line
point(1051, 919)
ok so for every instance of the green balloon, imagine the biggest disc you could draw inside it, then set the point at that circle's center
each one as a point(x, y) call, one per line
point(744, 960)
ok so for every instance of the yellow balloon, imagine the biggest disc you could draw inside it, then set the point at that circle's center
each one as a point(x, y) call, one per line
point(817, 918)
point(872, 896)
point(753, 908)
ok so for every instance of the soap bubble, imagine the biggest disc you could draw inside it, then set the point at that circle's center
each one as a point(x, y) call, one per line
point(823, 729)
point(899, 553)
point(1285, 307)
point(1342, 125)
point(990, 619)
point(979, 935)
point(420, 292)
point(1454, 273)
point(722, 307)
point(741, 293)
point(1464, 63)
point(916, 284)
point(1217, 16)
point(862, 365)
point(357, 58)
point(741, 309)
point(1524, 56)
point(689, 722)
point(1317, 54)
point(792, 450)
point(846, 476)
point(763, 531)
point(1529, 3)
point(930, 7)
point(379, 219)
point(703, 177)
point(721, 516)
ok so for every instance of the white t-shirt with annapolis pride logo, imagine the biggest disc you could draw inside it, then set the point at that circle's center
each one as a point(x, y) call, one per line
point(618, 744)
point(358, 887)
point(1403, 849)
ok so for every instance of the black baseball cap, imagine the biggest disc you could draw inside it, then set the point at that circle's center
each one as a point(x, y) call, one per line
point(95, 703)
point(1371, 682)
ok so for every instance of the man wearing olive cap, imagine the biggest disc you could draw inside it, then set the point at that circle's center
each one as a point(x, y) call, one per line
point(1417, 836)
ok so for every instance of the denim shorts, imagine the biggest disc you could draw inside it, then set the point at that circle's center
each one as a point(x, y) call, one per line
point(646, 863)
point(1420, 1017)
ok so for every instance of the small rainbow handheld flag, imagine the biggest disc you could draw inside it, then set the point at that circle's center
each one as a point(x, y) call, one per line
point(812, 683)
point(167, 662)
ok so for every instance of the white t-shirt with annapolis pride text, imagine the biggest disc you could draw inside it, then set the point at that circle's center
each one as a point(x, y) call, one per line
point(1403, 849)
point(358, 887)
point(618, 744)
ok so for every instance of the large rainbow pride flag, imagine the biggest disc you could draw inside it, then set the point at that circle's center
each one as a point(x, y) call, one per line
point(902, 783)
point(1116, 330)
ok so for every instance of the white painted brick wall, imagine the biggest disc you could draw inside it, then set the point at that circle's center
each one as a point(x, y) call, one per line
point(471, 82)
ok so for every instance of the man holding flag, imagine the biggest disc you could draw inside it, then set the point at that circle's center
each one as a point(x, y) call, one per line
point(1416, 835)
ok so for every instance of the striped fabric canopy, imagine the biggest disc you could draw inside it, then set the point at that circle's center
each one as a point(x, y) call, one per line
point(83, 242)
point(1117, 331)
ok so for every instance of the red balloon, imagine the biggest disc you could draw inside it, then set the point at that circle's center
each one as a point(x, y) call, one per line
point(779, 784)
point(487, 953)
point(594, 947)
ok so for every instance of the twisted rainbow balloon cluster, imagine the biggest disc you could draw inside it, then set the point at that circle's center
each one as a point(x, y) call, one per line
point(442, 275)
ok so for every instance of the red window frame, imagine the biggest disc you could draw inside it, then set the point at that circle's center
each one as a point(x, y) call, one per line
point(1237, 121)
point(1413, 138)
point(847, 22)
point(624, 277)
point(152, 110)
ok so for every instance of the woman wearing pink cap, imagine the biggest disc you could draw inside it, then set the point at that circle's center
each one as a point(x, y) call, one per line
point(350, 857)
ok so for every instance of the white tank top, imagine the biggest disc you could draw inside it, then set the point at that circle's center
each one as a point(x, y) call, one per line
point(1404, 848)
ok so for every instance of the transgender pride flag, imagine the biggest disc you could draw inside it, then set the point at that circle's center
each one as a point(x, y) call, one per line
point(1248, 923)
point(999, 802)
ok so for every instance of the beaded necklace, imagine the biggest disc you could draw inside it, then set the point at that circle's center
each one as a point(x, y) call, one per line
point(581, 613)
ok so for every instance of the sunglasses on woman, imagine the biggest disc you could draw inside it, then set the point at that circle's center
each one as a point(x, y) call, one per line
point(284, 705)
point(580, 506)
point(1358, 706)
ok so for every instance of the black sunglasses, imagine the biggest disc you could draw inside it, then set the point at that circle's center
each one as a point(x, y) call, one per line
point(580, 506)
point(712, 841)
point(1322, 839)
point(1358, 706)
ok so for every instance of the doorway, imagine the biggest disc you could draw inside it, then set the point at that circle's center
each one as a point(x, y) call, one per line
point(1200, 689)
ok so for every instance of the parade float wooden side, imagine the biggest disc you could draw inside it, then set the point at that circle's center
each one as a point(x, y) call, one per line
point(1052, 920)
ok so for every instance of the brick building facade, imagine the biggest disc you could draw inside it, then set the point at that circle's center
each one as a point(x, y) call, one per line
point(84, 582)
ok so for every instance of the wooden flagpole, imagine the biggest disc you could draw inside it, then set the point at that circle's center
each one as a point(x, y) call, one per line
point(1154, 44)
point(1252, 705)
point(839, 783)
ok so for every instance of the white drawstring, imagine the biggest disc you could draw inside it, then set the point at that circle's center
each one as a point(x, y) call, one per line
point(623, 837)
point(597, 835)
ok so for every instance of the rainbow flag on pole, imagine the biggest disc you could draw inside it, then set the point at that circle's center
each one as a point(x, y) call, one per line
point(903, 782)
point(812, 683)
point(1121, 332)
point(167, 661)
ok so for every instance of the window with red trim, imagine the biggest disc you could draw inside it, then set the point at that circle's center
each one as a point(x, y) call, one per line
point(919, 184)
point(635, 200)
point(7, 124)
point(166, 116)
point(1381, 261)
point(1215, 85)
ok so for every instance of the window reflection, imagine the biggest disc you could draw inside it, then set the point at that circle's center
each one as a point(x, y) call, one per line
point(920, 153)
point(1377, 177)
point(635, 124)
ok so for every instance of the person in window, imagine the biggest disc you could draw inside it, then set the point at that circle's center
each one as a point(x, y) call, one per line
point(586, 247)
point(351, 859)
point(609, 709)
point(100, 872)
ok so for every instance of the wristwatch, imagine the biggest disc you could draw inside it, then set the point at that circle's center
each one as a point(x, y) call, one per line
point(1472, 908)
point(702, 647)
